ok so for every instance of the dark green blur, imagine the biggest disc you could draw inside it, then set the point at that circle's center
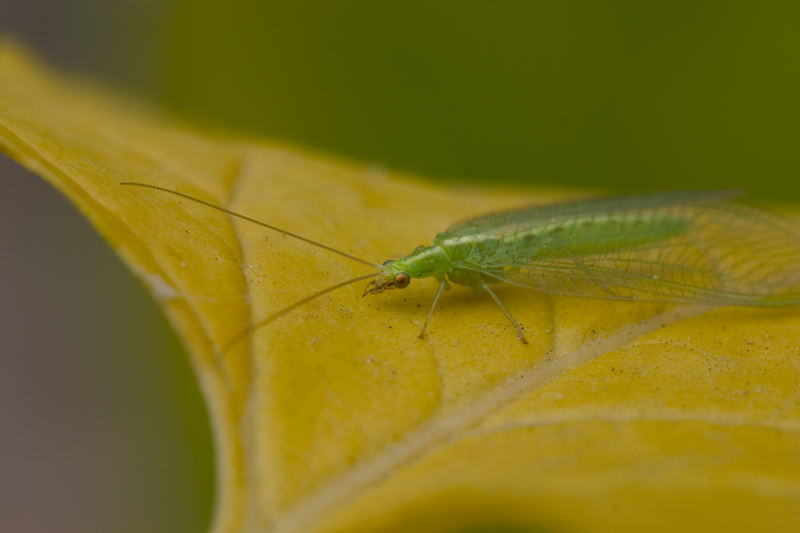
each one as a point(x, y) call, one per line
point(618, 95)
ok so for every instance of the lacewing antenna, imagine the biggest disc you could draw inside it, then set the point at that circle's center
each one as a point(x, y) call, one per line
point(247, 218)
point(236, 339)
point(277, 314)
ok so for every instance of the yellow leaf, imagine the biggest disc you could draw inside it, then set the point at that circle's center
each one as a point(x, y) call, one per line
point(335, 418)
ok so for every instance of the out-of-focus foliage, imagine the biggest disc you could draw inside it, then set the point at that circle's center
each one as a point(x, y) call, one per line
point(610, 95)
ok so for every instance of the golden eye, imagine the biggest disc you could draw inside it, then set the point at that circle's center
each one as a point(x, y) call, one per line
point(401, 280)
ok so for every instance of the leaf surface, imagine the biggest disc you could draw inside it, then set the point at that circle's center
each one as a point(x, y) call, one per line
point(335, 418)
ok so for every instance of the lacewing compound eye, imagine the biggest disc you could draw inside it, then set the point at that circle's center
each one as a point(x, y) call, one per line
point(401, 280)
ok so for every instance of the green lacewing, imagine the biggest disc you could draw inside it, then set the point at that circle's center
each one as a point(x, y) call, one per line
point(678, 247)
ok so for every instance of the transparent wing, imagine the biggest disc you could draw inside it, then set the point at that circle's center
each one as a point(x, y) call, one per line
point(503, 222)
point(730, 254)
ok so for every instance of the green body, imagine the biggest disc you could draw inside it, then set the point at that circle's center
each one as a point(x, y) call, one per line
point(678, 247)
point(462, 258)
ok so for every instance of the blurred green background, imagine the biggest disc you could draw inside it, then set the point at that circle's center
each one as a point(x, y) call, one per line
point(109, 430)
point(622, 95)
